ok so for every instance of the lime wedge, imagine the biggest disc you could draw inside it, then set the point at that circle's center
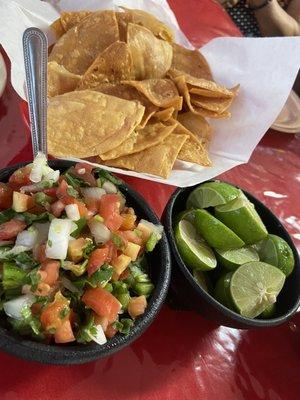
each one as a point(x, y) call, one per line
point(188, 215)
point(268, 312)
point(211, 194)
point(241, 216)
point(202, 279)
point(215, 232)
point(275, 251)
point(255, 286)
point(192, 248)
point(222, 291)
point(232, 259)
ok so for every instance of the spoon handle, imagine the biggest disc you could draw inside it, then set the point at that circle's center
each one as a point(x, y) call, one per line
point(35, 47)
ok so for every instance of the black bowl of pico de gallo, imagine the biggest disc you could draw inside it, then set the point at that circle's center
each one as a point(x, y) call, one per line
point(85, 263)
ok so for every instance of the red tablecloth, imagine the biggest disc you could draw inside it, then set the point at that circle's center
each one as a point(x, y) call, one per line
point(181, 356)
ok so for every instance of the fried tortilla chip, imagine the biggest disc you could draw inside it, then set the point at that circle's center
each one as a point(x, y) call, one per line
point(114, 64)
point(78, 48)
point(57, 28)
point(164, 115)
point(190, 62)
point(151, 57)
point(60, 80)
point(161, 92)
point(156, 160)
point(87, 123)
point(197, 125)
point(142, 18)
point(149, 136)
point(123, 18)
point(216, 105)
point(204, 112)
point(128, 93)
point(69, 19)
point(193, 149)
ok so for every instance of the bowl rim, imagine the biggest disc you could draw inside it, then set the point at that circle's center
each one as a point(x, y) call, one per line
point(239, 319)
point(68, 354)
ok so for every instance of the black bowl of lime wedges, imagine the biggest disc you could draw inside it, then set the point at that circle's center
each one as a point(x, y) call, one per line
point(233, 260)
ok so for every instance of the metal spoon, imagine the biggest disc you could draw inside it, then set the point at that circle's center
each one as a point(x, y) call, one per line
point(35, 47)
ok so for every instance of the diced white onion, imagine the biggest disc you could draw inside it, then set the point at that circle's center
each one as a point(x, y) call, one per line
point(93, 193)
point(14, 307)
point(100, 337)
point(99, 231)
point(58, 238)
point(69, 285)
point(17, 249)
point(109, 187)
point(72, 212)
point(30, 188)
point(42, 231)
point(52, 175)
point(39, 163)
point(27, 238)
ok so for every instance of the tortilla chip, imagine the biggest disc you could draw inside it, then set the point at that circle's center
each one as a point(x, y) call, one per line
point(151, 57)
point(197, 125)
point(216, 105)
point(191, 62)
point(69, 19)
point(161, 92)
point(86, 123)
point(164, 115)
point(124, 148)
point(78, 48)
point(123, 18)
point(193, 149)
point(142, 18)
point(128, 93)
point(183, 89)
point(112, 65)
point(60, 80)
point(147, 137)
point(156, 160)
point(57, 28)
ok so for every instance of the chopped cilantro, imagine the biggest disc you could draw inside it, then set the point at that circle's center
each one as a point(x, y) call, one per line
point(49, 242)
point(124, 325)
point(88, 249)
point(117, 240)
point(106, 176)
point(81, 223)
point(72, 192)
point(34, 278)
point(75, 181)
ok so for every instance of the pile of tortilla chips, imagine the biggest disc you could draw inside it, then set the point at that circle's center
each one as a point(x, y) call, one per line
point(122, 91)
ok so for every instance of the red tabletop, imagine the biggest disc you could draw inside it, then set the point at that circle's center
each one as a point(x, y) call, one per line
point(181, 356)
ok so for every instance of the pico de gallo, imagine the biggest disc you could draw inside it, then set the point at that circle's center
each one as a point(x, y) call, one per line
point(73, 255)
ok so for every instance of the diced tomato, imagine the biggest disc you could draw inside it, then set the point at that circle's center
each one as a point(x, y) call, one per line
point(64, 333)
point(6, 194)
point(92, 205)
point(40, 253)
point(96, 260)
point(109, 209)
point(87, 175)
point(137, 306)
point(102, 302)
point(110, 331)
point(36, 209)
point(51, 316)
point(128, 222)
point(20, 178)
point(36, 308)
point(50, 192)
point(10, 229)
point(51, 267)
point(131, 236)
point(112, 251)
point(57, 208)
point(62, 191)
